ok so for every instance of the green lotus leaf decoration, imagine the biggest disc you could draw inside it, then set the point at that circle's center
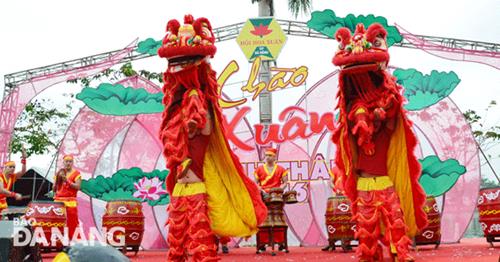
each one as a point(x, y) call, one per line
point(327, 23)
point(439, 176)
point(423, 91)
point(129, 184)
point(109, 99)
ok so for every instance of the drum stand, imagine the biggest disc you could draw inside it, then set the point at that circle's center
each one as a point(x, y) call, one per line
point(125, 249)
point(436, 243)
point(271, 232)
point(491, 239)
point(344, 244)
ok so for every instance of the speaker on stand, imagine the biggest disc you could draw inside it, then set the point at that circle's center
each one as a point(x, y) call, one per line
point(9, 251)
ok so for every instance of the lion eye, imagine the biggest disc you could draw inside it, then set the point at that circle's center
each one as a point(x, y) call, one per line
point(206, 32)
point(377, 43)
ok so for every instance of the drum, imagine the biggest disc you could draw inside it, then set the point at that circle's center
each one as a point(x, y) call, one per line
point(276, 195)
point(290, 197)
point(127, 214)
point(275, 215)
point(489, 215)
point(432, 233)
point(12, 213)
point(48, 216)
point(338, 219)
point(273, 231)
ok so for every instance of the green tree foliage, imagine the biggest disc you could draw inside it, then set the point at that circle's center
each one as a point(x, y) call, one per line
point(294, 6)
point(485, 183)
point(113, 75)
point(298, 6)
point(487, 136)
point(40, 127)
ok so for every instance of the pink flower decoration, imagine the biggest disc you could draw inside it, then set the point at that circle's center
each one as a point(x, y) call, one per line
point(150, 189)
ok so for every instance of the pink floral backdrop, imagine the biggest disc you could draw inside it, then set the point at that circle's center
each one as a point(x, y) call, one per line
point(103, 144)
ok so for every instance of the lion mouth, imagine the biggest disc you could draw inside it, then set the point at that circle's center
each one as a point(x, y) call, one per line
point(183, 60)
point(372, 66)
point(179, 63)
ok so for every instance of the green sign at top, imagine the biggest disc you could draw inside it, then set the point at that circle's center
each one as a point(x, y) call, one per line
point(261, 37)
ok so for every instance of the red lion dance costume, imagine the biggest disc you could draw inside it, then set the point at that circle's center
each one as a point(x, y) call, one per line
point(375, 147)
point(226, 202)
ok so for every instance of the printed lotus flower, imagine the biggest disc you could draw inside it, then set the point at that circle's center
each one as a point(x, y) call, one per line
point(151, 189)
point(261, 30)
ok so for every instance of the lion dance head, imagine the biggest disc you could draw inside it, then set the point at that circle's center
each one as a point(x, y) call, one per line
point(190, 84)
point(189, 44)
point(362, 51)
point(363, 58)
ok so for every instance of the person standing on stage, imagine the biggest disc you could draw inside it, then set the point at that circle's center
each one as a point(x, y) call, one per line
point(210, 193)
point(375, 147)
point(270, 174)
point(7, 179)
point(66, 185)
point(223, 242)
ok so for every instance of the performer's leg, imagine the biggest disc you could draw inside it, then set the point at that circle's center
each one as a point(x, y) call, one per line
point(368, 225)
point(201, 238)
point(224, 241)
point(178, 226)
point(71, 220)
point(396, 229)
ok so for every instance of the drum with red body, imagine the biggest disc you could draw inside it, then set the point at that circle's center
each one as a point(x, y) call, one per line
point(290, 197)
point(51, 218)
point(432, 233)
point(128, 215)
point(273, 231)
point(275, 212)
point(489, 213)
point(276, 195)
point(338, 219)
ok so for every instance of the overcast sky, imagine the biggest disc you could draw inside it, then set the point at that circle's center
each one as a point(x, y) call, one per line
point(37, 33)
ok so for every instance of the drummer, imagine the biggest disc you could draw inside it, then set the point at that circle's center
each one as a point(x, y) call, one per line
point(7, 179)
point(270, 174)
point(66, 185)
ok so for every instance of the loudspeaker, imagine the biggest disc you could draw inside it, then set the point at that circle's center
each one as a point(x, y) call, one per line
point(12, 253)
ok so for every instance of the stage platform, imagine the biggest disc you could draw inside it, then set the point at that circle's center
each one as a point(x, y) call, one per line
point(472, 249)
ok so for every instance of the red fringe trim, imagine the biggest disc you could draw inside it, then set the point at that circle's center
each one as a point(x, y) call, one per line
point(363, 233)
point(173, 133)
point(364, 250)
point(194, 109)
point(371, 220)
point(190, 229)
point(419, 196)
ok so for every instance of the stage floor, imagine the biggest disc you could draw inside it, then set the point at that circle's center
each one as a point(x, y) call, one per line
point(474, 249)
